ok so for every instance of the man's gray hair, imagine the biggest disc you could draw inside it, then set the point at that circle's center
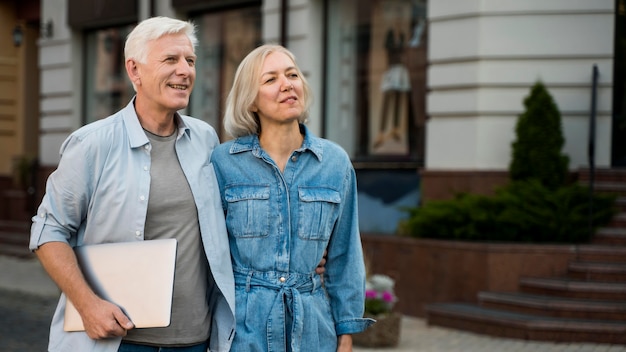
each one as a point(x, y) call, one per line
point(154, 28)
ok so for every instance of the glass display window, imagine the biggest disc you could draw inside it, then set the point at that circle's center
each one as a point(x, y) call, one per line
point(225, 38)
point(107, 87)
point(376, 78)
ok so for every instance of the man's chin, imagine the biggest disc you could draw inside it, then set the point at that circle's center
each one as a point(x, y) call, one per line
point(181, 103)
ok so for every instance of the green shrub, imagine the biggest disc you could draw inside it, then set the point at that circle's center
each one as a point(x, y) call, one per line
point(560, 215)
point(523, 211)
point(536, 153)
point(466, 217)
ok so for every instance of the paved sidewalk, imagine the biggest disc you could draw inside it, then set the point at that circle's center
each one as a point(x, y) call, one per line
point(416, 336)
point(27, 275)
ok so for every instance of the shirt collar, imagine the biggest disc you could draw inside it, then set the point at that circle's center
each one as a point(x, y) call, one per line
point(251, 143)
point(136, 134)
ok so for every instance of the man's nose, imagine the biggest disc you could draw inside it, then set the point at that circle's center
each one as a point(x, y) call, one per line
point(184, 68)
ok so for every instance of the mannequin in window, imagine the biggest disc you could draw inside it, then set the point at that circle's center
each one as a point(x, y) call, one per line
point(395, 87)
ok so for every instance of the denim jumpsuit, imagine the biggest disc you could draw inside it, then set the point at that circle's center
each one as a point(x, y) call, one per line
point(279, 224)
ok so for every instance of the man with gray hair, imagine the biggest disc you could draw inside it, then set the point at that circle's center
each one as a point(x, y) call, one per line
point(142, 173)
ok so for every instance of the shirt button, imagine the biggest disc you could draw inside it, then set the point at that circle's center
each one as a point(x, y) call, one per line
point(42, 215)
point(137, 233)
point(145, 168)
point(282, 279)
point(146, 147)
point(142, 198)
point(294, 158)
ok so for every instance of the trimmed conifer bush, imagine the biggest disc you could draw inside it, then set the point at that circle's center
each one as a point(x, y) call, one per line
point(536, 153)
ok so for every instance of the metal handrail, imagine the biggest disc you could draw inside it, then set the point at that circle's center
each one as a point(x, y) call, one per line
point(591, 150)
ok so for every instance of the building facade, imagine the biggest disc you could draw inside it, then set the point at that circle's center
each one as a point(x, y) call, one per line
point(422, 94)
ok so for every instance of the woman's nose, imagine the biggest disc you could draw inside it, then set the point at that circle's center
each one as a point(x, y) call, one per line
point(287, 85)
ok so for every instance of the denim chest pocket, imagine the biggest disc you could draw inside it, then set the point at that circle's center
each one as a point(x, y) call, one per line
point(317, 212)
point(248, 212)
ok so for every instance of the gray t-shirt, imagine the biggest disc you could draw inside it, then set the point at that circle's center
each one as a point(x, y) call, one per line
point(172, 213)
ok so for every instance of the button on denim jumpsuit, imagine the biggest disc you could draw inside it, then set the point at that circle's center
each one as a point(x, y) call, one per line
point(279, 224)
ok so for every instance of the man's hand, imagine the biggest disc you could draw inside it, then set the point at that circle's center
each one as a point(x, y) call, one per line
point(321, 269)
point(103, 319)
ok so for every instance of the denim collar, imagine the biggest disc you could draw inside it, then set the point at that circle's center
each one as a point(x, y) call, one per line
point(251, 143)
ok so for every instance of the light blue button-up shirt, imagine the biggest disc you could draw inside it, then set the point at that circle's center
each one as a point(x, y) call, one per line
point(99, 193)
point(279, 224)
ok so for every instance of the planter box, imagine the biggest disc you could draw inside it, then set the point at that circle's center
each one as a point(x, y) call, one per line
point(384, 333)
point(431, 271)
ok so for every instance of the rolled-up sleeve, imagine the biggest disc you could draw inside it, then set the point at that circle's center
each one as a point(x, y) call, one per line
point(65, 202)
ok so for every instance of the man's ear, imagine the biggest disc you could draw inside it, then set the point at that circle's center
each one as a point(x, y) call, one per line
point(133, 71)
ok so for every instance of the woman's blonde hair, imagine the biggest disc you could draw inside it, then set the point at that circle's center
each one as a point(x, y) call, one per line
point(239, 120)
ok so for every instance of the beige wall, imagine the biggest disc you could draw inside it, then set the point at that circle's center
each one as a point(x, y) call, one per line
point(9, 81)
point(19, 108)
point(484, 56)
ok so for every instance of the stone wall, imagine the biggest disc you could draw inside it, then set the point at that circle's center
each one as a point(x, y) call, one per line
point(430, 271)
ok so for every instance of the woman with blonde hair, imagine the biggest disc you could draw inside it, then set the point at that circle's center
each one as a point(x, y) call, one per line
point(288, 196)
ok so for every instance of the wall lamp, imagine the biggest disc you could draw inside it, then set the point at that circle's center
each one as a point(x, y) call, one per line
point(18, 36)
point(45, 31)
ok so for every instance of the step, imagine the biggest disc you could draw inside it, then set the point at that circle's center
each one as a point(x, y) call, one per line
point(597, 271)
point(601, 253)
point(618, 221)
point(617, 188)
point(554, 306)
point(620, 203)
point(16, 205)
point(603, 175)
point(17, 238)
point(15, 225)
point(14, 238)
point(614, 236)
point(494, 322)
point(573, 288)
point(13, 250)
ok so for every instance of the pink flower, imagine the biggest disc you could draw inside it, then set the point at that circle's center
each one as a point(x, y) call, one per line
point(388, 296)
point(370, 294)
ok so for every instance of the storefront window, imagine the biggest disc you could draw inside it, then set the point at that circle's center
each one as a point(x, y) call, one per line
point(225, 39)
point(374, 102)
point(376, 78)
point(108, 88)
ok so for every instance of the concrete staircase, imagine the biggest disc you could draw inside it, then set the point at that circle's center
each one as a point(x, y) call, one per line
point(14, 236)
point(587, 304)
point(16, 210)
